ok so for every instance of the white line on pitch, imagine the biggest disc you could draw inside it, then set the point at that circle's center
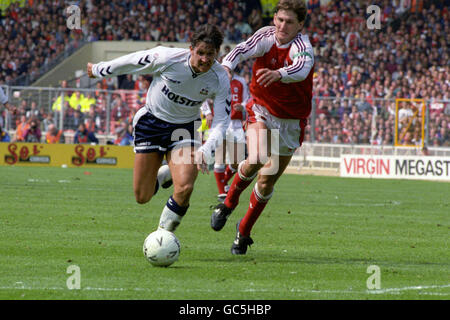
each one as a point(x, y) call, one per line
point(394, 290)
point(20, 286)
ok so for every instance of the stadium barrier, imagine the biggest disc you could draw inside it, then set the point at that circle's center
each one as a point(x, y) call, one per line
point(66, 155)
point(395, 167)
point(372, 161)
point(347, 161)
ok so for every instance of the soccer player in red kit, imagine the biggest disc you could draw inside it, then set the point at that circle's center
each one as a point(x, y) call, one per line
point(281, 91)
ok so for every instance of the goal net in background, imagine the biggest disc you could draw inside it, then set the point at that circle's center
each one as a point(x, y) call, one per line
point(409, 122)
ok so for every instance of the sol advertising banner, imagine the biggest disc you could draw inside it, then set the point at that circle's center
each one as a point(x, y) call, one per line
point(395, 167)
point(70, 155)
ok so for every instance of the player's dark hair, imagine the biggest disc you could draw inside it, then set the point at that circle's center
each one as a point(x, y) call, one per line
point(207, 33)
point(297, 6)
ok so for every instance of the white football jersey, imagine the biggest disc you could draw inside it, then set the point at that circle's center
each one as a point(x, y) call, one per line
point(176, 91)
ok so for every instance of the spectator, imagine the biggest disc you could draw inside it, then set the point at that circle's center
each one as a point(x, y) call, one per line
point(86, 102)
point(82, 135)
point(33, 134)
point(143, 83)
point(4, 136)
point(48, 120)
point(242, 26)
point(96, 117)
point(75, 99)
point(90, 125)
point(21, 129)
point(111, 83)
point(78, 117)
point(33, 111)
point(232, 34)
point(23, 107)
point(127, 82)
point(124, 135)
point(54, 135)
point(255, 19)
point(69, 118)
point(120, 109)
point(443, 136)
point(120, 112)
point(352, 39)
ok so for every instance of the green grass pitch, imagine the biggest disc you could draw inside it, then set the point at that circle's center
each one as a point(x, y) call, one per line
point(315, 240)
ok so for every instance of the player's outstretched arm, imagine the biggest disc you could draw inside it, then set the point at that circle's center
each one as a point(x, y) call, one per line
point(255, 46)
point(140, 62)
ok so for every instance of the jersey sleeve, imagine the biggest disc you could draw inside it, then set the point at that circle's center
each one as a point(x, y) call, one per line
point(221, 119)
point(302, 56)
point(140, 62)
point(255, 46)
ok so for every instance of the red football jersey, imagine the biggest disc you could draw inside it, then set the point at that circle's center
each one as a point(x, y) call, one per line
point(289, 98)
point(283, 100)
point(239, 95)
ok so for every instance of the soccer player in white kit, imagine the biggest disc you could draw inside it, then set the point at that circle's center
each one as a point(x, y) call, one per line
point(232, 151)
point(166, 125)
point(4, 100)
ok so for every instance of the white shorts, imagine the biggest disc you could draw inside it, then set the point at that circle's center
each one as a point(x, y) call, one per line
point(287, 134)
point(235, 133)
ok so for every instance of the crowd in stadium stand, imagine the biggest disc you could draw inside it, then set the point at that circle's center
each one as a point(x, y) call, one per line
point(410, 61)
point(358, 73)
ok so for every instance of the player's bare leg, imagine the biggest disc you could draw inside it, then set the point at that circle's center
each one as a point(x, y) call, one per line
point(184, 173)
point(146, 166)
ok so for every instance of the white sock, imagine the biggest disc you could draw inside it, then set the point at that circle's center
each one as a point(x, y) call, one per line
point(169, 220)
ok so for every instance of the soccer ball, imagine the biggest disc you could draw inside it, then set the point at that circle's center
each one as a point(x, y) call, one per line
point(161, 248)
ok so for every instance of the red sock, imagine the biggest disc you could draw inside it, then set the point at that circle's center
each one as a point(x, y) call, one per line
point(229, 172)
point(255, 208)
point(237, 186)
point(220, 181)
